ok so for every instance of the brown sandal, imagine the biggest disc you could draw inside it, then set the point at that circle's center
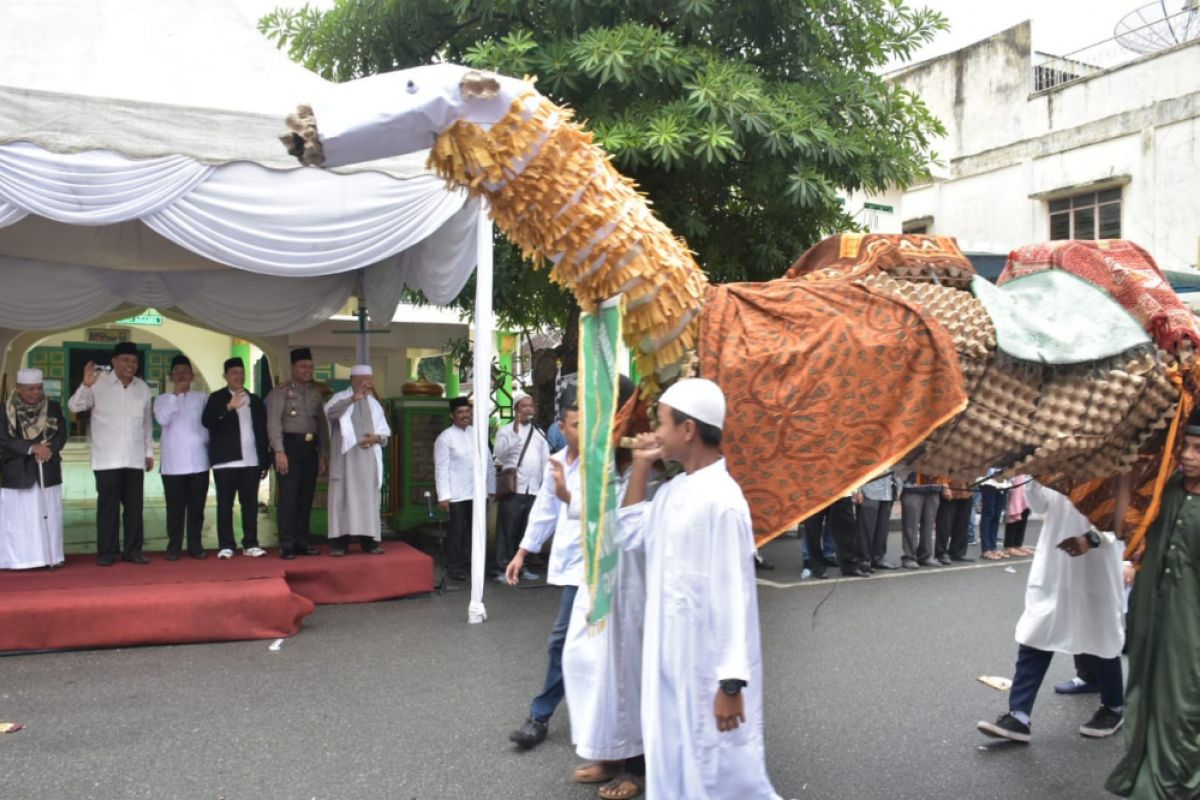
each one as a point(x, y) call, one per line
point(623, 787)
point(11, 727)
point(596, 772)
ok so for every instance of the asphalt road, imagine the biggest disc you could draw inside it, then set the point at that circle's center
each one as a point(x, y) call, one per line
point(871, 686)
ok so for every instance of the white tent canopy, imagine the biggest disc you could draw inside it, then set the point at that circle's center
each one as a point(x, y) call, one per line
point(139, 161)
point(140, 166)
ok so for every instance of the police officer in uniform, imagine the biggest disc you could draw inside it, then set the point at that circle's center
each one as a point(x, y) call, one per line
point(299, 435)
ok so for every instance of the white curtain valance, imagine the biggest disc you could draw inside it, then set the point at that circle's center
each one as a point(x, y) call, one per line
point(296, 224)
point(39, 296)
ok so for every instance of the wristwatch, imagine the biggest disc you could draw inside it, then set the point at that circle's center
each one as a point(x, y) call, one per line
point(732, 687)
point(1093, 538)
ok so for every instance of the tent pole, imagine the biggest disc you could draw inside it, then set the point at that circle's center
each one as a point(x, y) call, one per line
point(482, 388)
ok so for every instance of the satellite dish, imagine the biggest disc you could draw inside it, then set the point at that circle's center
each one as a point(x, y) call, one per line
point(1153, 27)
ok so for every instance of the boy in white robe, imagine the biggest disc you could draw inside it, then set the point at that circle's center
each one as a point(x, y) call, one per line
point(702, 706)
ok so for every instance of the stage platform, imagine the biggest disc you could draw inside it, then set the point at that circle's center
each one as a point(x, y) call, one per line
point(82, 605)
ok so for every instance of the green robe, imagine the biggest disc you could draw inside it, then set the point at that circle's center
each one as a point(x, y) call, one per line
point(1163, 696)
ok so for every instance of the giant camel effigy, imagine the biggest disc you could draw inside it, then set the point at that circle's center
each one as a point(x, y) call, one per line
point(870, 352)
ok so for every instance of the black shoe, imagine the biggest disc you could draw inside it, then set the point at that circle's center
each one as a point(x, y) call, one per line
point(1104, 722)
point(173, 555)
point(884, 565)
point(287, 555)
point(944, 560)
point(198, 553)
point(858, 572)
point(1006, 727)
point(963, 559)
point(929, 562)
point(374, 551)
point(829, 562)
point(307, 551)
point(456, 575)
point(135, 558)
point(530, 734)
point(763, 564)
point(105, 561)
point(337, 552)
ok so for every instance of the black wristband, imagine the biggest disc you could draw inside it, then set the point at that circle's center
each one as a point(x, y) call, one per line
point(733, 686)
point(1093, 538)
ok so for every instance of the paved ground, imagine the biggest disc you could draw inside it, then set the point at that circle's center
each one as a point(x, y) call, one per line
point(871, 685)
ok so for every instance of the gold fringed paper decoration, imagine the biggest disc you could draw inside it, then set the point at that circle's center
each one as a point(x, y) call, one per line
point(555, 193)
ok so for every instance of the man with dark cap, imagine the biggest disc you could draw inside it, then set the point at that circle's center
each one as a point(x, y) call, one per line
point(299, 435)
point(122, 444)
point(237, 425)
point(1163, 691)
point(454, 475)
point(184, 467)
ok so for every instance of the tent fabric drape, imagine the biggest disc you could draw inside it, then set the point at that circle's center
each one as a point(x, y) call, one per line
point(42, 296)
point(299, 223)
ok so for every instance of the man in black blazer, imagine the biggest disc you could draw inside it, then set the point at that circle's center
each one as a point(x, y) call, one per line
point(32, 435)
point(237, 445)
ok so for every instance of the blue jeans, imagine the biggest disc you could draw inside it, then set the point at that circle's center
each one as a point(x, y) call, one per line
point(552, 690)
point(1031, 670)
point(994, 502)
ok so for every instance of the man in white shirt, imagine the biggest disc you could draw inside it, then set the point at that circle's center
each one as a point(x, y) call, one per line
point(121, 436)
point(551, 516)
point(237, 424)
point(454, 476)
point(184, 467)
point(522, 448)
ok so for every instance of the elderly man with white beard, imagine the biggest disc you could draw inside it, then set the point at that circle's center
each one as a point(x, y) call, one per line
point(32, 434)
point(358, 433)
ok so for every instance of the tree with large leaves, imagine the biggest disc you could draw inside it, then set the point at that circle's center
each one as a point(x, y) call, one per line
point(742, 120)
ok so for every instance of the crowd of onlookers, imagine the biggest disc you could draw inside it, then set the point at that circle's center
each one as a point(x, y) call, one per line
point(940, 519)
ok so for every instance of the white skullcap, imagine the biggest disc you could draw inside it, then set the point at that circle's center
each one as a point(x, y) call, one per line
point(360, 369)
point(29, 377)
point(518, 396)
point(699, 398)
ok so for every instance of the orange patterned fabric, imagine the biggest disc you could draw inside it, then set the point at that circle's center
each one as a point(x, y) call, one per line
point(827, 383)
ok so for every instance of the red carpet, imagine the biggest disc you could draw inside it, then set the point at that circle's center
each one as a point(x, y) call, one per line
point(82, 605)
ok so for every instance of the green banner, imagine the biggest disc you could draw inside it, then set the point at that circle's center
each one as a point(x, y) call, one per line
point(599, 335)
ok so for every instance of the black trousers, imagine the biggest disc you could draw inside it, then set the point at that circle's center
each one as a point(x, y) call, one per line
point(241, 482)
point(953, 520)
point(849, 539)
point(1014, 532)
point(512, 515)
point(875, 518)
point(119, 491)
point(458, 536)
point(293, 504)
point(185, 496)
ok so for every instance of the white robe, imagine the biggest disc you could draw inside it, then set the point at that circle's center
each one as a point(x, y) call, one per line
point(355, 473)
point(701, 628)
point(1072, 604)
point(602, 670)
point(23, 532)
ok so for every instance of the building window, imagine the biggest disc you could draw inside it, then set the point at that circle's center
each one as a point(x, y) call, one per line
point(1093, 215)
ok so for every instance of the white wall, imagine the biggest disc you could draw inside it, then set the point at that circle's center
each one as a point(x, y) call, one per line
point(1005, 143)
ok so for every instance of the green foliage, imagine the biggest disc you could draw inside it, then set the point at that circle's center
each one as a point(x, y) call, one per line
point(742, 120)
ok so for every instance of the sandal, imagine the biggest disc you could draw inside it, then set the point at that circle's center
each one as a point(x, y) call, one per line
point(993, 555)
point(596, 772)
point(623, 787)
point(13, 727)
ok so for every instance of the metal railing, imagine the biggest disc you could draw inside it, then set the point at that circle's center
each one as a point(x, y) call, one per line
point(1138, 34)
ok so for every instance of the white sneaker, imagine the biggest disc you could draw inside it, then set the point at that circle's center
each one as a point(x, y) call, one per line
point(226, 553)
point(254, 552)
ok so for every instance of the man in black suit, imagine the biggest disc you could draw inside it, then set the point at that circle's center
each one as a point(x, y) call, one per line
point(237, 444)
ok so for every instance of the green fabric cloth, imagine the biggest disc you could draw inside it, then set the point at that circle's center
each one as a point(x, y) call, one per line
point(1162, 716)
point(1054, 317)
